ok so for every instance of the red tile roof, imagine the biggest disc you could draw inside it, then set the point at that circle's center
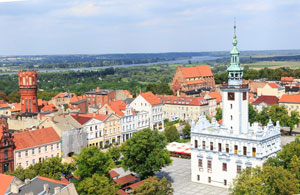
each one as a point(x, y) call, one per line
point(117, 107)
point(216, 95)
point(270, 100)
point(62, 182)
point(287, 79)
point(6, 180)
point(273, 85)
point(16, 107)
point(113, 174)
point(42, 102)
point(37, 137)
point(182, 100)
point(49, 107)
point(195, 82)
point(83, 118)
point(126, 179)
point(4, 105)
point(289, 98)
point(196, 71)
point(127, 92)
point(137, 184)
point(151, 98)
point(77, 98)
point(122, 192)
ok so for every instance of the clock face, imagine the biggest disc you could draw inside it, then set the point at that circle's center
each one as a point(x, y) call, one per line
point(230, 96)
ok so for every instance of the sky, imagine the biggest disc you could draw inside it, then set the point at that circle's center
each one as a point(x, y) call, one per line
point(36, 27)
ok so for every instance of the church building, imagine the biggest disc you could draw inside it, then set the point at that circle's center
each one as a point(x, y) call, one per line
point(220, 152)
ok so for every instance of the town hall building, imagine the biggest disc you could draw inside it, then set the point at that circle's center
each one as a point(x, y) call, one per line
point(220, 152)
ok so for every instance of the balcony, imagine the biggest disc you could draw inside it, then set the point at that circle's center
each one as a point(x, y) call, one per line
point(226, 86)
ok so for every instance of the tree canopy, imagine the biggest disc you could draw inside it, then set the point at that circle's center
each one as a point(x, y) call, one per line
point(187, 130)
point(154, 186)
point(172, 134)
point(145, 152)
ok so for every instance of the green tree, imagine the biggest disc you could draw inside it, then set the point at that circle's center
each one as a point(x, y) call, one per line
point(252, 114)
point(293, 120)
point(90, 161)
point(115, 153)
point(265, 180)
point(145, 153)
point(187, 130)
point(172, 134)
point(96, 185)
point(154, 186)
point(218, 114)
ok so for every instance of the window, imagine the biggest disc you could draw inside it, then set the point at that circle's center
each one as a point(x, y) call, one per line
point(245, 150)
point(209, 179)
point(46, 157)
point(27, 164)
point(39, 149)
point(225, 182)
point(6, 154)
point(253, 151)
point(199, 162)
point(198, 177)
point(57, 146)
point(19, 154)
point(211, 146)
point(26, 153)
point(196, 143)
point(230, 96)
point(33, 151)
point(40, 159)
point(220, 147)
point(46, 149)
point(238, 168)
point(91, 129)
point(224, 166)
point(209, 164)
point(244, 95)
point(231, 117)
point(33, 161)
point(96, 127)
point(227, 148)
point(230, 106)
point(235, 149)
point(203, 145)
point(51, 146)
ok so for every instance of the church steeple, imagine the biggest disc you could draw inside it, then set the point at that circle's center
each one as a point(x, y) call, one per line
point(235, 71)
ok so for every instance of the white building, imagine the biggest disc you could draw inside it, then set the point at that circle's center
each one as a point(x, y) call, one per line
point(152, 104)
point(133, 121)
point(220, 152)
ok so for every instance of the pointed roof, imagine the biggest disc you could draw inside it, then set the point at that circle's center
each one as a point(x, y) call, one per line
point(84, 118)
point(217, 95)
point(117, 107)
point(273, 85)
point(270, 100)
point(151, 98)
point(290, 98)
point(6, 180)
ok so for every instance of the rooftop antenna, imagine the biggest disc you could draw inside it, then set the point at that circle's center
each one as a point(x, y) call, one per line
point(234, 27)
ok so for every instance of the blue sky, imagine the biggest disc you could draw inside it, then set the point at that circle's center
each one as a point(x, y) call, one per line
point(136, 26)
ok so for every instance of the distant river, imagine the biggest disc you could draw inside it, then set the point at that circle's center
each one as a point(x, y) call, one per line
point(192, 59)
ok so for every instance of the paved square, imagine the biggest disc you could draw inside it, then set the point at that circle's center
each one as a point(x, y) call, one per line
point(180, 175)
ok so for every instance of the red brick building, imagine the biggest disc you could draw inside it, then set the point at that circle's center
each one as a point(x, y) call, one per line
point(28, 91)
point(7, 147)
point(192, 78)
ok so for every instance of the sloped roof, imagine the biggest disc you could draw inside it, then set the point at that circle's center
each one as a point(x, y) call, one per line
point(151, 98)
point(84, 118)
point(273, 85)
point(6, 180)
point(41, 102)
point(137, 184)
point(290, 98)
point(126, 179)
point(287, 79)
point(195, 82)
point(4, 105)
point(217, 95)
point(270, 100)
point(196, 71)
point(117, 107)
point(122, 192)
point(49, 107)
point(16, 107)
point(62, 182)
point(37, 137)
point(127, 92)
point(182, 100)
point(113, 174)
point(77, 98)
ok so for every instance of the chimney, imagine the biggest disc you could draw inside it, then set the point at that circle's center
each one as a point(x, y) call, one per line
point(14, 188)
point(46, 187)
point(27, 181)
point(56, 190)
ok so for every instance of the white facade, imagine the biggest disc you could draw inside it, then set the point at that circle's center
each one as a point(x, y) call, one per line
point(94, 128)
point(132, 122)
point(155, 112)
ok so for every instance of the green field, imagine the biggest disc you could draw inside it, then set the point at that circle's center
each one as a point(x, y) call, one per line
point(274, 64)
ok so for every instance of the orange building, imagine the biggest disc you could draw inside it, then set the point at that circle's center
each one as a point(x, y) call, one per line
point(28, 91)
point(192, 78)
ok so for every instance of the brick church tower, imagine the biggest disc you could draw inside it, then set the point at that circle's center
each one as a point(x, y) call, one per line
point(7, 147)
point(28, 91)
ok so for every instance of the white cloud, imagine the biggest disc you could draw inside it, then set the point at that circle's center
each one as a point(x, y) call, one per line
point(87, 9)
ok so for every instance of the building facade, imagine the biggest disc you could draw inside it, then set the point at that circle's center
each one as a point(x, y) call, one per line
point(220, 152)
point(7, 147)
point(28, 91)
point(33, 146)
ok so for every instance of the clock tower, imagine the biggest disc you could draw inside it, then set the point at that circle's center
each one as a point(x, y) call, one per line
point(235, 94)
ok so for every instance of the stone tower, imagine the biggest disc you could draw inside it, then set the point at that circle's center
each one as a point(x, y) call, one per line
point(28, 91)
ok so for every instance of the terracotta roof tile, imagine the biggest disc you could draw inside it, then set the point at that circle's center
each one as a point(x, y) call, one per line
point(217, 95)
point(83, 118)
point(5, 105)
point(126, 179)
point(62, 182)
point(287, 79)
point(197, 71)
point(122, 192)
point(289, 98)
point(270, 100)
point(195, 82)
point(42, 102)
point(113, 174)
point(49, 107)
point(6, 180)
point(16, 107)
point(273, 85)
point(117, 107)
point(37, 137)
point(137, 184)
point(182, 100)
point(151, 98)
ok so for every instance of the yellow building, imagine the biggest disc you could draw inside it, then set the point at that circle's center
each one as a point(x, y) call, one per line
point(112, 129)
point(291, 102)
point(271, 89)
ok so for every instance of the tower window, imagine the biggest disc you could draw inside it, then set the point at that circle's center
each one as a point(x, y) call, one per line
point(198, 177)
point(244, 95)
point(245, 150)
point(224, 166)
point(230, 96)
point(230, 106)
point(231, 117)
point(220, 147)
point(225, 182)
point(209, 179)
